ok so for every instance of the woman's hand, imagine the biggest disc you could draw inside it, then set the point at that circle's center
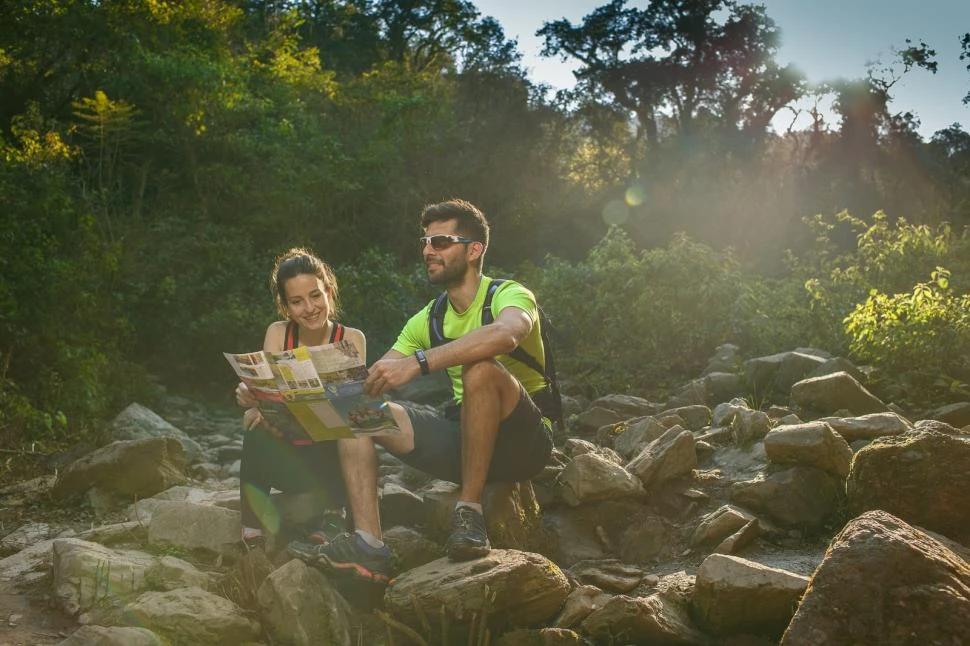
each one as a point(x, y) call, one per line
point(251, 418)
point(243, 397)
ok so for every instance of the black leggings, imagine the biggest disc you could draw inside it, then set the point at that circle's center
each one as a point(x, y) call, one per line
point(268, 461)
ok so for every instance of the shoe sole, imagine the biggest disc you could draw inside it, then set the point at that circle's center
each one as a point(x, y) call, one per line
point(468, 552)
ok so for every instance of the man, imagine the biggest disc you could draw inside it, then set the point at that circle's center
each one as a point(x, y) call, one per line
point(496, 432)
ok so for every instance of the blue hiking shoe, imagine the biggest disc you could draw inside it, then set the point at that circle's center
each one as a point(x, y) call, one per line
point(347, 554)
point(469, 538)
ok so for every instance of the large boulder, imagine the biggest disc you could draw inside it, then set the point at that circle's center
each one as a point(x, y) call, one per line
point(192, 616)
point(193, 527)
point(670, 456)
point(299, 606)
point(868, 427)
point(800, 497)
point(834, 392)
point(125, 470)
point(814, 444)
point(137, 422)
point(591, 477)
point(774, 374)
point(922, 477)
point(505, 588)
point(884, 582)
point(734, 595)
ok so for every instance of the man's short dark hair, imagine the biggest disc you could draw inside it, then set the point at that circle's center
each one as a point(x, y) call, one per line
point(471, 222)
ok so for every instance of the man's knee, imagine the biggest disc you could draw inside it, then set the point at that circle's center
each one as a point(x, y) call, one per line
point(478, 374)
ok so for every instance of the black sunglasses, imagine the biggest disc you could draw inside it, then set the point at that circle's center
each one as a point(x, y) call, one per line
point(442, 241)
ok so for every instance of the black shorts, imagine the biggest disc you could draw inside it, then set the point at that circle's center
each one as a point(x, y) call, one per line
point(522, 446)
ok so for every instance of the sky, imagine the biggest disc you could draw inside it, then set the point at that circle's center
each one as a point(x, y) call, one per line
point(825, 39)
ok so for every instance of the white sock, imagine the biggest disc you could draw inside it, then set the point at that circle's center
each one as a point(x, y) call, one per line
point(477, 506)
point(370, 539)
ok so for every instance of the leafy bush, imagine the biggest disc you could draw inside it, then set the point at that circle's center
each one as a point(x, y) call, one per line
point(919, 339)
point(637, 322)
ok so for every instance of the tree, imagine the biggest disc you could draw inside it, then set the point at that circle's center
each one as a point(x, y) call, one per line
point(685, 65)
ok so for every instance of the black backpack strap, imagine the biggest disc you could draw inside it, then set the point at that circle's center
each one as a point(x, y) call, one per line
point(436, 320)
point(292, 338)
point(488, 317)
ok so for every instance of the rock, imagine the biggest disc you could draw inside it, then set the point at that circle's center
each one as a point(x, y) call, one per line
point(126, 469)
point(726, 358)
point(814, 444)
point(591, 419)
point(719, 524)
point(775, 374)
point(512, 514)
point(398, 505)
point(411, 548)
point(194, 527)
point(611, 576)
point(509, 588)
point(834, 392)
point(626, 406)
point(746, 425)
point(112, 636)
point(921, 477)
point(644, 540)
point(28, 565)
point(936, 426)
point(299, 606)
point(570, 537)
point(137, 422)
point(191, 616)
point(694, 417)
point(86, 574)
point(868, 427)
point(669, 456)
point(25, 536)
point(733, 596)
point(739, 539)
point(656, 620)
point(591, 477)
point(956, 415)
point(540, 637)
point(582, 601)
point(637, 435)
point(884, 582)
point(802, 497)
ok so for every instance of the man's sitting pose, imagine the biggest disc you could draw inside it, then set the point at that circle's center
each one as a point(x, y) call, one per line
point(494, 433)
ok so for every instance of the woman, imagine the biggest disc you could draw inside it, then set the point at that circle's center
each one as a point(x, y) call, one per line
point(305, 290)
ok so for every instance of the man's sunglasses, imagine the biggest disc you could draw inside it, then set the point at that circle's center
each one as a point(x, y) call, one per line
point(442, 241)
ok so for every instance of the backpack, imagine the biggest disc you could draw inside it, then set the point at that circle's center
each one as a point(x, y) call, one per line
point(548, 400)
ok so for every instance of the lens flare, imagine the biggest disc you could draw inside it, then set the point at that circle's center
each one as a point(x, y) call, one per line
point(635, 195)
point(616, 212)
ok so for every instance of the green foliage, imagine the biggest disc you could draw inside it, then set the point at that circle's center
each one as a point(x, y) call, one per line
point(920, 339)
point(635, 322)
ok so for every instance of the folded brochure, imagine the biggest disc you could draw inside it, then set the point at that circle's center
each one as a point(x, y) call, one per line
point(314, 393)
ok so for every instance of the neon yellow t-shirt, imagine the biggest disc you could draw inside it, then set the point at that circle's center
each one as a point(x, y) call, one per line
point(415, 335)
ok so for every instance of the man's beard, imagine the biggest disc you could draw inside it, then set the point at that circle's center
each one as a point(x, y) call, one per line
point(449, 274)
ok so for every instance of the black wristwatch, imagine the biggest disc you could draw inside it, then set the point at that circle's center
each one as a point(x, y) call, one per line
point(422, 361)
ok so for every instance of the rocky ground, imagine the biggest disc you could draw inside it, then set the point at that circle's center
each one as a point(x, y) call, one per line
point(698, 520)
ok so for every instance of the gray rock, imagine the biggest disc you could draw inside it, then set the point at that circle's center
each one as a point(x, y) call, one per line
point(137, 422)
point(669, 456)
point(921, 477)
point(299, 606)
point(194, 527)
point(747, 425)
point(656, 619)
point(795, 497)
point(590, 477)
point(626, 406)
point(835, 392)
point(868, 427)
point(719, 524)
point(637, 435)
point(814, 444)
point(884, 582)
point(694, 417)
point(775, 374)
point(956, 415)
point(511, 588)
point(112, 636)
point(126, 470)
point(191, 616)
point(737, 596)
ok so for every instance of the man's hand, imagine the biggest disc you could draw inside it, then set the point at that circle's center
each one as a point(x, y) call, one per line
point(244, 397)
point(389, 373)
